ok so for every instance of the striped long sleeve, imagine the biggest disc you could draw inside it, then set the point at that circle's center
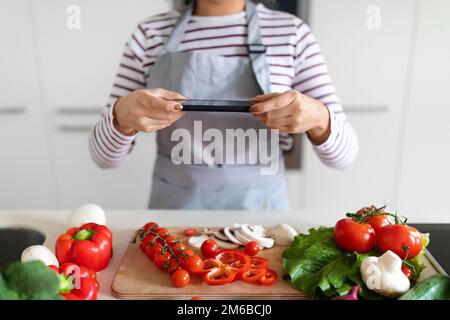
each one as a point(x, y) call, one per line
point(294, 60)
point(312, 79)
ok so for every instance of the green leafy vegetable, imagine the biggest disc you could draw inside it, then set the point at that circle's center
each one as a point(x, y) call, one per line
point(320, 269)
point(30, 281)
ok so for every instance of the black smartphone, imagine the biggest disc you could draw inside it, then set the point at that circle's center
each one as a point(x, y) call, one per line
point(216, 105)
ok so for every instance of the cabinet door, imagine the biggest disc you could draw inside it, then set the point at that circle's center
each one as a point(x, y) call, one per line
point(26, 179)
point(78, 69)
point(424, 171)
point(369, 70)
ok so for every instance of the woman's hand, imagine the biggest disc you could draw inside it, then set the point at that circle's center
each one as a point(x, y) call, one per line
point(293, 112)
point(147, 110)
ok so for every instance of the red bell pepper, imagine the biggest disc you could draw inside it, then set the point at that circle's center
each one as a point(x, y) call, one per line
point(77, 283)
point(89, 246)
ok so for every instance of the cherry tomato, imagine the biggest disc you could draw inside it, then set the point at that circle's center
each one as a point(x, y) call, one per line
point(193, 264)
point(252, 275)
point(190, 232)
point(178, 248)
point(219, 276)
point(150, 226)
point(171, 240)
point(180, 278)
point(407, 272)
point(354, 236)
point(235, 260)
point(258, 263)
point(405, 241)
point(160, 258)
point(163, 232)
point(172, 265)
point(209, 248)
point(252, 248)
point(268, 278)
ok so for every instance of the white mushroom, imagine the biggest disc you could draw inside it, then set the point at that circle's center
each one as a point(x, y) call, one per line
point(40, 253)
point(225, 244)
point(230, 234)
point(262, 241)
point(197, 241)
point(283, 234)
point(384, 275)
point(85, 214)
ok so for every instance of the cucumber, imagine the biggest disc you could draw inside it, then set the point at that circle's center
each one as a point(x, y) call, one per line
point(436, 287)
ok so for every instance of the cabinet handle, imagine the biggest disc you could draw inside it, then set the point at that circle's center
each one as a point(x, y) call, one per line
point(74, 128)
point(354, 109)
point(12, 110)
point(79, 110)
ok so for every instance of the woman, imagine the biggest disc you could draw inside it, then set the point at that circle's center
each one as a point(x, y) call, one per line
point(212, 50)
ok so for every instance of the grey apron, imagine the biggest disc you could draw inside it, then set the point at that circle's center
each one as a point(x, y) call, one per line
point(200, 75)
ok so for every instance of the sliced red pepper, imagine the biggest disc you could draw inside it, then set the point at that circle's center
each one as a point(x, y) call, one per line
point(253, 275)
point(258, 263)
point(235, 260)
point(89, 246)
point(209, 264)
point(219, 276)
point(268, 278)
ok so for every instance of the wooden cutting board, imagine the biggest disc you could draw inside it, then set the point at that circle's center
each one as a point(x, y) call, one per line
point(138, 278)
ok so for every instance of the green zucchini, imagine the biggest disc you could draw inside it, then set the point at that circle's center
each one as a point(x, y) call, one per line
point(436, 287)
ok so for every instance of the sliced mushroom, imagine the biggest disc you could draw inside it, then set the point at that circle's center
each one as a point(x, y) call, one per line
point(197, 241)
point(238, 234)
point(283, 234)
point(226, 244)
point(230, 234)
point(221, 235)
point(262, 241)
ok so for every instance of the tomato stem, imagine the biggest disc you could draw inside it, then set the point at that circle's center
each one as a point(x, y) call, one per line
point(166, 247)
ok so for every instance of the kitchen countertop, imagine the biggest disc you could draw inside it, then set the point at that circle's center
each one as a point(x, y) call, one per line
point(123, 223)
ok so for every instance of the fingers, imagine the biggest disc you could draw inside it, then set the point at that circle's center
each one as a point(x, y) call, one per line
point(159, 108)
point(264, 97)
point(291, 109)
point(280, 122)
point(276, 102)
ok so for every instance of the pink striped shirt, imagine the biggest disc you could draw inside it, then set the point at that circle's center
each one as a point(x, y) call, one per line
point(294, 58)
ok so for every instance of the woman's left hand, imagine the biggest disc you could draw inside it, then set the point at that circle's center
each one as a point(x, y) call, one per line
point(293, 112)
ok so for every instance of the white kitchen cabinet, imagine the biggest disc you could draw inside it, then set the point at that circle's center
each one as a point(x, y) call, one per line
point(26, 179)
point(424, 171)
point(369, 70)
point(78, 69)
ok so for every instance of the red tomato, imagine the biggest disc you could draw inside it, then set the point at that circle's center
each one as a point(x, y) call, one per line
point(219, 276)
point(172, 265)
point(150, 226)
point(405, 241)
point(252, 248)
point(163, 232)
point(235, 260)
point(407, 272)
point(209, 248)
point(178, 249)
point(187, 253)
point(190, 232)
point(353, 236)
point(268, 278)
point(180, 278)
point(377, 222)
point(193, 264)
point(160, 259)
point(171, 240)
point(253, 275)
point(258, 263)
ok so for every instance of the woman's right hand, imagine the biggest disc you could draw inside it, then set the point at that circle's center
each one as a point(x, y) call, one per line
point(147, 110)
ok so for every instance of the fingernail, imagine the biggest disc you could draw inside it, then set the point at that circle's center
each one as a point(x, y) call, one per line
point(178, 107)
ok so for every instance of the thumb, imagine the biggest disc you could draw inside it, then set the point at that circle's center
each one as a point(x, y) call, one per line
point(167, 94)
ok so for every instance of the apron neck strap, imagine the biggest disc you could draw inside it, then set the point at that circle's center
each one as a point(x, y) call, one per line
point(256, 48)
